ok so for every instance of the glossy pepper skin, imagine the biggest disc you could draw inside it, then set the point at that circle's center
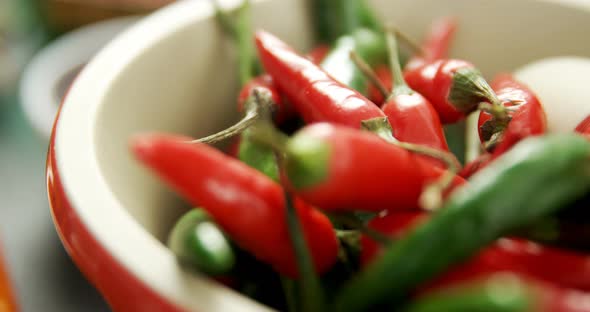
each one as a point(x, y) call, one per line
point(412, 117)
point(342, 169)
point(198, 242)
point(265, 82)
point(435, 81)
point(315, 95)
point(247, 205)
point(255, 155)
point(528, 116)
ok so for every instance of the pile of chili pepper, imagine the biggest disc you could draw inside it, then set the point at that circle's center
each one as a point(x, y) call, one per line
point(341, 189)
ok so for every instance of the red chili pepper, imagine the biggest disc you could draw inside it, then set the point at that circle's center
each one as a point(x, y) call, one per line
point(437, 43)
point(528, 116)
point(412, 117)
point(265, 83)
point(314, 93)
point(565, 268)
point(393, 225)
point(552, 298)
point(454, 87)
point(341, 169)
point(384, 74)
point(584, 127)
point(249, 206)
point(317, 54)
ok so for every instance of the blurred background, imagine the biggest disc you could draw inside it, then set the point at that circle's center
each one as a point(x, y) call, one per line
point(43, 44)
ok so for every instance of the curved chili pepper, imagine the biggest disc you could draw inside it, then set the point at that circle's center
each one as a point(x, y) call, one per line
point(314, 94)
point(437, 43)
point(454, 87)
point(7, 302)
point(527, 116)
point(342, 169)
point(255, 155)
point(247, 205)
point(475, 216)
point(584, 127)
point(412, 117)
point(197, 241)
point(265, 83)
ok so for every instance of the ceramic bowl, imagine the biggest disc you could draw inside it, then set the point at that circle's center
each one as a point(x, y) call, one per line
point(175, 72)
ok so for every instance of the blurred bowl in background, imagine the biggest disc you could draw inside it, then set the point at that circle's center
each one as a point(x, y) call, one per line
point(48, 76)
point(174, 72)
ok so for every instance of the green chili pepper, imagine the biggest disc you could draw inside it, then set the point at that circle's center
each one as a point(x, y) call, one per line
point(247, 62)
point(197, 241)
point(241, 32)
point(569, 228)
point(368, 44)
point(253, 154)
point(260, 157)
point(367, 17)
point(535, 179)
point(571, 234)
point(334, 18)
point(499, 293)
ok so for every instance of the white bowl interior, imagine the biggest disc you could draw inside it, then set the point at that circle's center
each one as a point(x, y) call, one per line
point(175, 72)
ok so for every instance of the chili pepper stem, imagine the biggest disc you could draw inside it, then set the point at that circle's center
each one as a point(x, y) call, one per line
point(264, 132)
point(356, 224)
point(225, 20)
point(364, 67)
point(259, 106)
point(399, 85)
point(311, 289)
point(290, 295)
point(473, 147)
point(416, 48)
point(431, 198)
point(241, 33)
point(468, 88)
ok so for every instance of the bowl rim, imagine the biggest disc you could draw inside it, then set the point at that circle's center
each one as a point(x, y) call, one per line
point(49, 66)
point(87, 190)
